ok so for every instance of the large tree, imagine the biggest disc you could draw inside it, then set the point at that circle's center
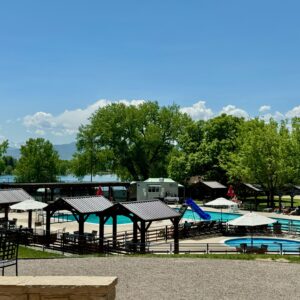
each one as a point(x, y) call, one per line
point(134, 141)
point(264, 156)
point(39, 162)
point(203, 147)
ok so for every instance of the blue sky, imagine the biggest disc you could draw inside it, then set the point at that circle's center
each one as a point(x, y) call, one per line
point(59, 58)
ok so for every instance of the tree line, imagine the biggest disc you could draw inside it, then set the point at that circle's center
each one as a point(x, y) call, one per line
point(149, 140)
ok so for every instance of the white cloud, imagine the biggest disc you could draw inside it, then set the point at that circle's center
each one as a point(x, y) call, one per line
point(198, 111)
point(67, 123)
point(264, 108)
point(234, 111)
point(277, 116)
point(295, 112)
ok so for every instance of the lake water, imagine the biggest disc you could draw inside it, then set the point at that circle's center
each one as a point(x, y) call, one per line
point(71, 178)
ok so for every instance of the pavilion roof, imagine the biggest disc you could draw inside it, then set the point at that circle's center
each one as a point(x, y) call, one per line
point(150, 210)
point(10, 196)
point(82, 204)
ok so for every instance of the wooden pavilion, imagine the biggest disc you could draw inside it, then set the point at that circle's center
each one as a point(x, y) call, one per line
point(141, 213)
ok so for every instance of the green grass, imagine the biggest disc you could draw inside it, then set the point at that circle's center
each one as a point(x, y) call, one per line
point(25, 252)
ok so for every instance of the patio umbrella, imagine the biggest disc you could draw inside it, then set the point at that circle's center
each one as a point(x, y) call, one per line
point(251, 220)
point(220, 202)
point(29, 205)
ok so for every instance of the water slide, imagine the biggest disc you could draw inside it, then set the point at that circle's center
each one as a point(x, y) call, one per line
point(200, 212)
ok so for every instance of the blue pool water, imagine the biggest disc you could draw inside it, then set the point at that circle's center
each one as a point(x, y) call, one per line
point(273, 244)
point(230, 216)
point(95, 220)
point(189, 214)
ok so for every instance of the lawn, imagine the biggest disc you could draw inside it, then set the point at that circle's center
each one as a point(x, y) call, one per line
point(26, 252)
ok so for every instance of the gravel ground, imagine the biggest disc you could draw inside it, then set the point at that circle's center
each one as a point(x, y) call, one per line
point(169, 278)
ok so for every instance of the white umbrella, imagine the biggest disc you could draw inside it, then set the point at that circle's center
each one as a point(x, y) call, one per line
point(220, 202)
point(29, 205)
point(251, 219)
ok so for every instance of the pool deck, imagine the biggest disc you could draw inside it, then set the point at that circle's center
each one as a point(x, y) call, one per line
point(89, 227)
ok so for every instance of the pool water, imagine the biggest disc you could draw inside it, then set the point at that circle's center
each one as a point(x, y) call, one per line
point(95, 219)
point(189, 214)
point(273, 244)
point(216, 216)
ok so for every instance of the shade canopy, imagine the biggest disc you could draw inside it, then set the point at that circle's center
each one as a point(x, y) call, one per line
point(220, 202)
point(251, 219)
point(29, 205)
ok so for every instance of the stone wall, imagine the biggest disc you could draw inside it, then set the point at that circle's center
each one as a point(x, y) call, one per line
point(57, 288)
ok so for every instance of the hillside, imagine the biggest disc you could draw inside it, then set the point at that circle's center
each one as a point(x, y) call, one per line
point(65, 151)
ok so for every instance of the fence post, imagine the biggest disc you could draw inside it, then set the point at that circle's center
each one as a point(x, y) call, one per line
point(207, 248)
point(171, 248)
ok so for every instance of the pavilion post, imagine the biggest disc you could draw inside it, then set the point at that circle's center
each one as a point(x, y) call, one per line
point(114, 217)
point(81, 224)
point(6, 209)
point(176, 235)
point(101, 233)
point(143, 237)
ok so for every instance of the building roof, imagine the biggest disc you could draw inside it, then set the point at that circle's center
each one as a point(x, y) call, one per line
point(151, 210)
point(254, 187)
point(214, 184)
point(159, 180)
point(10, 196)
point(84, 205)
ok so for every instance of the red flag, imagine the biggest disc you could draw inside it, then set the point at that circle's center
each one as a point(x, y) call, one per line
point(99, 191)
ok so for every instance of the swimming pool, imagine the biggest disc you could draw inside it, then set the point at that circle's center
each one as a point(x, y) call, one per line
point(95, 219)
point(273, 244)
point(216, 216)
point(189, 214)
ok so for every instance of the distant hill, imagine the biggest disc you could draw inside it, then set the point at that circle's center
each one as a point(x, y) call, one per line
point(65, 151)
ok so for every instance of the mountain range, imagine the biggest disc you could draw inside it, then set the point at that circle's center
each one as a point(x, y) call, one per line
point(65, 151)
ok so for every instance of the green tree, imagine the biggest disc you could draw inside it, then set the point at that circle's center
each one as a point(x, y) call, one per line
point(134, 142)
point(9, 164)
point(203, 147)
point(3, 149)
point(263, 156)
point(38, 162)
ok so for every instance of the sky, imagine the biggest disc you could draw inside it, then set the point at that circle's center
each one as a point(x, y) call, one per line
point(60, 60)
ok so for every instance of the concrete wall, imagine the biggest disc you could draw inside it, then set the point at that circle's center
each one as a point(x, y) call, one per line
point(57, 288)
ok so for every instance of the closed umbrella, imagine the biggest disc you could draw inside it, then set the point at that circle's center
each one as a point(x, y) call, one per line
point(220, 202)
point(251, 220)
point(29, 205)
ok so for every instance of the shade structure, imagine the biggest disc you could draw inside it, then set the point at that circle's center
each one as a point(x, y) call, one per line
point(221, 202)
point(29, 205)
point(251, 220)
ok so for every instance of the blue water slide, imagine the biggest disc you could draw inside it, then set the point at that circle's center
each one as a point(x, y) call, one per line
point(200, 212)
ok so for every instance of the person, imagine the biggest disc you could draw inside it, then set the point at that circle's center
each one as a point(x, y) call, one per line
point(99, 191)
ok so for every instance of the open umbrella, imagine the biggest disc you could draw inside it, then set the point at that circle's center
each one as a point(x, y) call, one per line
point(220, 202)
point(29, 205)
point(251, 220)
